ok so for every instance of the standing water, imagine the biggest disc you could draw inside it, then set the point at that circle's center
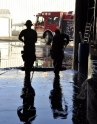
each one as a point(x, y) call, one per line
point(54, 100)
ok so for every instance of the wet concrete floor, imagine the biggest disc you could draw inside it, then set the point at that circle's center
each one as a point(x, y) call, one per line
point(54, 102)
point(51, 101)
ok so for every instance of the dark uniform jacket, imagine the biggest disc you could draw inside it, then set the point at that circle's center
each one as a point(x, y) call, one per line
point(58, 46)
point(30, 38)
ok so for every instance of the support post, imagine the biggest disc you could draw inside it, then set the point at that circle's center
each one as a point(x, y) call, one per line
point(76, 34)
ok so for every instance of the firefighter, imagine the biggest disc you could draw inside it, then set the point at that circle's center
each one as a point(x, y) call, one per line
point(29, 37)
point(57, 50)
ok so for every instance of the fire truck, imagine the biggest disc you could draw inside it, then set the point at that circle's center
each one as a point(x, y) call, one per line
point(48, 22)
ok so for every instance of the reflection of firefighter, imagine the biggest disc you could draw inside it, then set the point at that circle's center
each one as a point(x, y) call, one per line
point(27, 112)
point(56, 101)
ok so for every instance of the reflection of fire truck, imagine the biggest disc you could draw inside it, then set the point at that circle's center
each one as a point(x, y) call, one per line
point(48, 22)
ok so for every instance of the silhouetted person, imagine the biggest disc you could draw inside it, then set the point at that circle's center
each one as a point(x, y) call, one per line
point(58, 109)
point(57, 50)
point(27, 112)
point(29, 38)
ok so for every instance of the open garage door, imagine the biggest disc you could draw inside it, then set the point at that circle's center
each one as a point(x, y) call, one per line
point(4, 26)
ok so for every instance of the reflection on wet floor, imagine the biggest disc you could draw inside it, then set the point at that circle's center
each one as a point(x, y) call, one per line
point(92, 91)
point(58, 110)
point(54, 100)
point(10, 54)
point(49, 100)
point(79, 106)
point(27, 112)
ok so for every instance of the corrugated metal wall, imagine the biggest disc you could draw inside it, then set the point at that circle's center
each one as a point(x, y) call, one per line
point(22, 10)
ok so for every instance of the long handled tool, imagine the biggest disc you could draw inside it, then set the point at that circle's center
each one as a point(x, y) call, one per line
point(32, 74)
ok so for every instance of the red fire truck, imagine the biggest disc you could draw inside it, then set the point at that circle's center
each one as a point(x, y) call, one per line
point(48, 22)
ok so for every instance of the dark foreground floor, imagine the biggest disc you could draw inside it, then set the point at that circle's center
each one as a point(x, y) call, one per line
point(54, 101)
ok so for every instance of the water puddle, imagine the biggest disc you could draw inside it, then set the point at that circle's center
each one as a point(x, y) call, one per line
point(10, 54)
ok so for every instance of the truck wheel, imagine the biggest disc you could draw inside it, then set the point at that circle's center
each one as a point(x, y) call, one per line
point(48, 38)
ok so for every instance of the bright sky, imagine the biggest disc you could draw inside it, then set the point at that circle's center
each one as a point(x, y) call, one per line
point(25, 9)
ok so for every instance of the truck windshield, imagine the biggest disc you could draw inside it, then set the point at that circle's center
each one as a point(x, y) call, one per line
point(40, 20)
point(53, 20)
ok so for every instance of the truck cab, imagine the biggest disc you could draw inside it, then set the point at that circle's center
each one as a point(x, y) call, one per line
point(47, 23)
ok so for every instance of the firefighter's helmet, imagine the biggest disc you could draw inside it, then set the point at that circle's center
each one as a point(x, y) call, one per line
point(28, 22)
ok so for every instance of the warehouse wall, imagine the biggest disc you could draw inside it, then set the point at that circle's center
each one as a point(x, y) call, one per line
point(22, 10)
